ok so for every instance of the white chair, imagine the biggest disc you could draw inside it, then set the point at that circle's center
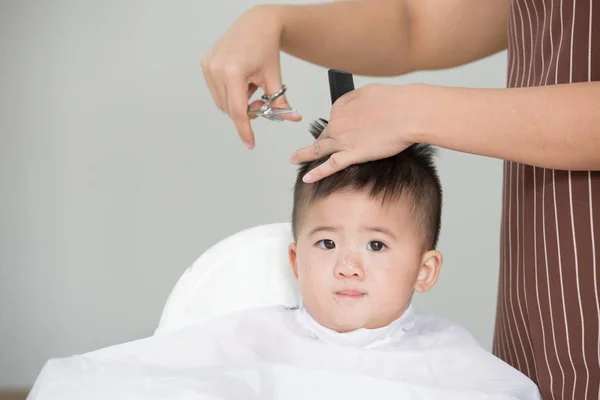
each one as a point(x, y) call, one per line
point(245, 270)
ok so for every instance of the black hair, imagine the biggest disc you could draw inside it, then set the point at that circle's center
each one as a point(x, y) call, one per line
point(409, 175)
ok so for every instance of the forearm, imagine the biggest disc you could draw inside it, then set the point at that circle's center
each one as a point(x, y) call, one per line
point(365, 37)
point(554, 127)
point(392, 37)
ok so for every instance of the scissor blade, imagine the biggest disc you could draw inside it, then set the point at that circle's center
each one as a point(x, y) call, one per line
point(279, 111)
point(260, 111)
point(273, 117)
point(256, 113)
point(271, 113)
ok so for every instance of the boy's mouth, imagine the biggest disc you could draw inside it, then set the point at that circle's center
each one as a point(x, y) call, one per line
point(350, 294)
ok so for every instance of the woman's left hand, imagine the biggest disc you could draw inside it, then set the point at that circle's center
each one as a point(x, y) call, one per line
point(366, 124)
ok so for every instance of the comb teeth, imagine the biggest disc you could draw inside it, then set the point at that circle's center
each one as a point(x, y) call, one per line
point(317, 127)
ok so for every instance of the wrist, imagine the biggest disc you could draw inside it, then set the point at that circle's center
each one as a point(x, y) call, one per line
point(418, 103)
point(274, 15)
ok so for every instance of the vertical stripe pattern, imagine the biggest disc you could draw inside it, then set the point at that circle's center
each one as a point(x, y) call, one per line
point(548, 310)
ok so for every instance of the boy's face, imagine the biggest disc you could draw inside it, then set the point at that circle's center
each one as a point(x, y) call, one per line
point(357, 261)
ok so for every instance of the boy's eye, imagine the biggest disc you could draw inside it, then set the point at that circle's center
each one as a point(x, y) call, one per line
point(375, 245)
point(326, 244)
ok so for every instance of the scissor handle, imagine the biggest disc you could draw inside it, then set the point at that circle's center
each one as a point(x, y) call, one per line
point(268, 112)
point(269, 99)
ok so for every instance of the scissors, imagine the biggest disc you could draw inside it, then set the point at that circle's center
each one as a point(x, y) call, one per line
point(268, 112)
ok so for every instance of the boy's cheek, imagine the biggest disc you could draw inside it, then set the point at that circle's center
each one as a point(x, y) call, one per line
point(313, 281)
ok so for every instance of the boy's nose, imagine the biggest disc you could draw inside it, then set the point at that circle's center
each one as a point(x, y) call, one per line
point(349, 266)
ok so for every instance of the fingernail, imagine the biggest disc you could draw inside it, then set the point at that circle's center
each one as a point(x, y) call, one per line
point(248, 145)
point(307, 178)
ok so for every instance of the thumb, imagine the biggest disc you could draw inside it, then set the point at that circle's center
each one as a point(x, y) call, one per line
point(273, 84)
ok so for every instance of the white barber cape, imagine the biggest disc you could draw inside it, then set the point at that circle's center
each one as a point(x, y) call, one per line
point(281, 353)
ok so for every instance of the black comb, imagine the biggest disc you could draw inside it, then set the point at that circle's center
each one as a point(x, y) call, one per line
point(340, 83)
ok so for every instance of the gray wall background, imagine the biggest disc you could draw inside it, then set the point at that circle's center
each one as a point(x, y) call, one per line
point(116, 172)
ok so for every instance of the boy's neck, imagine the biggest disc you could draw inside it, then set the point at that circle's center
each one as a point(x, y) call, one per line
point(359, 338)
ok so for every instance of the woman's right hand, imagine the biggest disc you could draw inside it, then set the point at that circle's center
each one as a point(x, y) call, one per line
point(247, 57)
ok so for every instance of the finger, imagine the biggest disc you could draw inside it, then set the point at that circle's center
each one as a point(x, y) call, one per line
point(319, 149)
point(255, 105)
point(336, 162)
point(223, 96)
point(237, 107)
point(212, 87)
point(294, 117)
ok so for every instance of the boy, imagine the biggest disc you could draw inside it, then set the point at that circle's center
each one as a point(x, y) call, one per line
point(364, 239)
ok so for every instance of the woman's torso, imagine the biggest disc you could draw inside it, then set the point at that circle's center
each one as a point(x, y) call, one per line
point(550, 218)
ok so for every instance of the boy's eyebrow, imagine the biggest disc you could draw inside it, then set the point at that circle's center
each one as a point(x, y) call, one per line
point(329, 228)
point(323, 228)
point(381, 230)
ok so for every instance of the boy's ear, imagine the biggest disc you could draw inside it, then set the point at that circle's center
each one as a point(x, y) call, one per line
point(429, 270)
point(292, 256)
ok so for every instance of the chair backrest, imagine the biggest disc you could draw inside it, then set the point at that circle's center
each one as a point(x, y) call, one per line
point(247, 269)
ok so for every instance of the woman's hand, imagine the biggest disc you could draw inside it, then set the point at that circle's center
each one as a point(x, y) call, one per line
point(245, 58)
point(366, 124)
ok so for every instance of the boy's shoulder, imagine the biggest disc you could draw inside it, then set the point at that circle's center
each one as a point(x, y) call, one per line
point(440, 331)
